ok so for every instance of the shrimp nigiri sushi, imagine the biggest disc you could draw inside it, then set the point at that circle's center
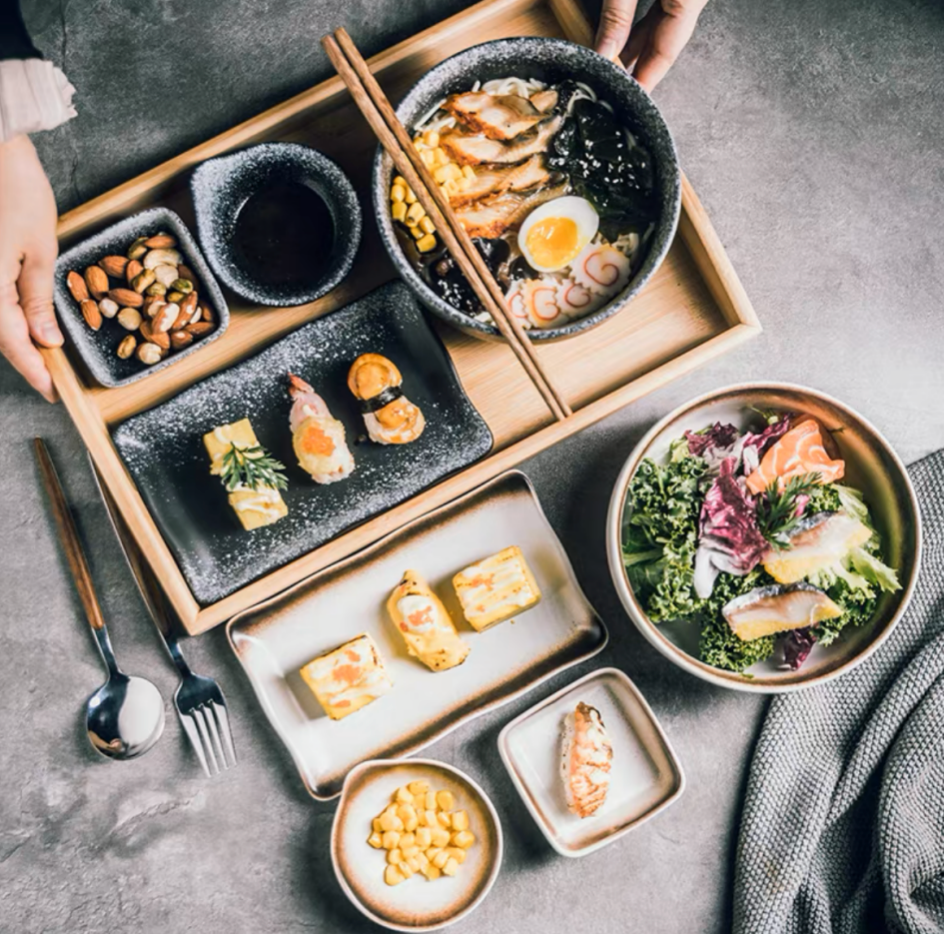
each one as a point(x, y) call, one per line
point(317, 436)
point(585, 765)
point(389, 416)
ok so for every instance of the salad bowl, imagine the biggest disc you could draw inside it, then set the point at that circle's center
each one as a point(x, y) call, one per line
point(871, 467)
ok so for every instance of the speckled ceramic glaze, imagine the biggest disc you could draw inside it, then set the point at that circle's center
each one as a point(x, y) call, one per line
point(164, 452)
point(223, 185)
point(98, 349)
point(548, 60)
point(872, 466)
point(416, 904)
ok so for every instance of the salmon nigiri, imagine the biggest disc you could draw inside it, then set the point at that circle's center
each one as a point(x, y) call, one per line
point(585, 767)
point(800, 451)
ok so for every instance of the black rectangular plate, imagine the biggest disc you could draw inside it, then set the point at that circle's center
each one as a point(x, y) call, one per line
point(163, 447)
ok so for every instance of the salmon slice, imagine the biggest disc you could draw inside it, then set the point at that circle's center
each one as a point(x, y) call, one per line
point(493, 216)
point(529, 174)
point(800, 451)
point(477, 148)
point(495, 117)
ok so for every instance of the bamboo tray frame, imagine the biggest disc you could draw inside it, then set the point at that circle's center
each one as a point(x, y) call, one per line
point(692, 310)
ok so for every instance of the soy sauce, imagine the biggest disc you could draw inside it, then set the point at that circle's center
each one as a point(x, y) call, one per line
point(284, 236)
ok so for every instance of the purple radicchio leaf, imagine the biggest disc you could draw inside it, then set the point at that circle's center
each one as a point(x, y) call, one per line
point(797, 646)
point(729, 537)
point(717, 436)
point(755, 444)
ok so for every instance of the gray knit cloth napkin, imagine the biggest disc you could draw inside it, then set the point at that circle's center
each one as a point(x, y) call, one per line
point(843, 825)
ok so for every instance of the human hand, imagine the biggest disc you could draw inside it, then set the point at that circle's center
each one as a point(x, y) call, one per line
point(28, 250)
point(654, 42)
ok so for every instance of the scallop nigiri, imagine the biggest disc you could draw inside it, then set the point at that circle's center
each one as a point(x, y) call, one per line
point(318, 437)
point(389, 416)
point(586, 762)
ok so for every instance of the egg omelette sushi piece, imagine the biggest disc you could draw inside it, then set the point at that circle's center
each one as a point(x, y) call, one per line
point(253, 507)
point(586, 761)
point(348, 678)
point(425, 624)
point(318, 438)
point(496, 588)
point(389, 416)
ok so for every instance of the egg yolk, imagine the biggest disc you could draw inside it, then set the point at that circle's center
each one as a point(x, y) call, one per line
point(553, 242)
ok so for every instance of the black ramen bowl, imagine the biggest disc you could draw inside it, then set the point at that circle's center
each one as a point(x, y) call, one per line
point(551, 61)
point(223, 186)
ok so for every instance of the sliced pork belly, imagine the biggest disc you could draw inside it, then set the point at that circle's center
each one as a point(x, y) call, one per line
point(487, 182)
point(492, 216)
point(495, 117)
point(476, 148)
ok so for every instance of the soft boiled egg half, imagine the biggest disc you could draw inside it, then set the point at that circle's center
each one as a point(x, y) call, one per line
point(553, 235)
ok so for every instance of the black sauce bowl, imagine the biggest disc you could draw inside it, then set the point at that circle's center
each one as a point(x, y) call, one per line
point(222, 186)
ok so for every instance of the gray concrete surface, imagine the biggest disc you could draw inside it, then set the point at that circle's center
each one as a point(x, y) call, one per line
point(814, 133)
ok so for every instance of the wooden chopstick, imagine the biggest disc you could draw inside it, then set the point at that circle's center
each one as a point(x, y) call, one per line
point(392, 135)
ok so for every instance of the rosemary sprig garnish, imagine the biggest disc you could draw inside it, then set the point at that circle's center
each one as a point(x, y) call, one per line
point(253, 468)
point(777, 509)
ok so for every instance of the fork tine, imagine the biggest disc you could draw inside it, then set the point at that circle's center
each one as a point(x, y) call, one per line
point(186, 721)
point(219, 711)
point(217, 745)
point(198, 716)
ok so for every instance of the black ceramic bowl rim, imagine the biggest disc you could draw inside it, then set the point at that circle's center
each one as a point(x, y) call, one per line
point(610, 80)
point(217, 204)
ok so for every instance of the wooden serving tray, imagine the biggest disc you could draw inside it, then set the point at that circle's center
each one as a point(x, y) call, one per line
point(692, 310)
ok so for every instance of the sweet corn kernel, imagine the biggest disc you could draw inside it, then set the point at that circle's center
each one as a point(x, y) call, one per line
point(441, 175)
point(426, 224)
point(455, 173)
point(410, 852)
point(426, 244)
point(432, 852)
point(419, 787)
point(408, 839)
point(403, 795)
point(400, 180)
point(423, 837)
point(411, 222)
point(460, 820)
point(405, 870)
point(451, 867)
point(420, 818)
point(440, 837)
point(467, 171)
point(440, 154)
point(398, 193)
point(430, 802)
point(449, 187)
point(375, 825)
point(463, 838)
point(431, 872)
point(431, 138)
point(444, 819)
point(387, 821)
point(399, 211)
point(440, 859)
point(422, 860)
point(375, 840)
point(394, 856)
point(428, 157)
point(445, 800)
point(410, 196)
point(415, 212)
point(431, 815)
point(413, 864)
point(391, 838)
point(418, 232)
point(457, 853)
point(393, 876)
point(463, 184)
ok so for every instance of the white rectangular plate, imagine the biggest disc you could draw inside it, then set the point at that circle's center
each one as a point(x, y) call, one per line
point(645, 776)
point(274, 639)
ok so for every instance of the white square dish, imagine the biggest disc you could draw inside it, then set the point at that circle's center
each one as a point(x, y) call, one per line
point(276, 638)
point(645, 777)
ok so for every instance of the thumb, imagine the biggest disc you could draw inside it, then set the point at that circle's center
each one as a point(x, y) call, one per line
point(35, 289)
point(616, 20)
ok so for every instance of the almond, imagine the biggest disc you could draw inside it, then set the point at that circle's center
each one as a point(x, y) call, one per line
point(150, 333)
point(206, 313)
point(160, 242)
point(93, 317)
point(166, 317)
point(114, 266)
point(152, 305)
point(132, 270)
point(149, 353)
point(126, 297)
point(97, 282)
point(78, 288)
point(199, 328)
point(126, 347)
point(185, 272)
point(187, 309)
point(180, 339)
